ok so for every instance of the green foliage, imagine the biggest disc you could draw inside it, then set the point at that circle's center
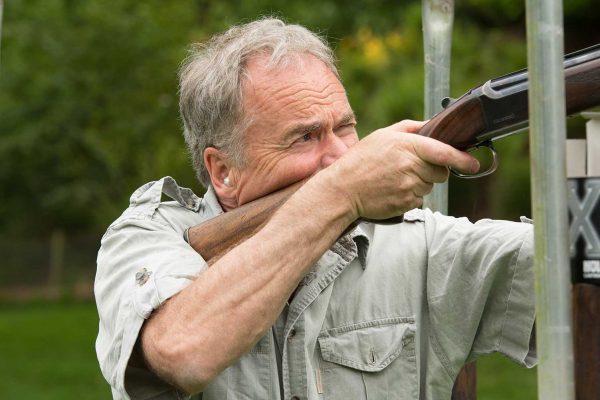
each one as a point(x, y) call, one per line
point(89, 107)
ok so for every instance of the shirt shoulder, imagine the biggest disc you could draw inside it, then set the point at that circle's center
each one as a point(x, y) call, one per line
point(143, 261)
point(183, 208)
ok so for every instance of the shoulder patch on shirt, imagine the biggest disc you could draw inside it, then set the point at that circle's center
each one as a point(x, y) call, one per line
point(151, 193)
point(414, 215)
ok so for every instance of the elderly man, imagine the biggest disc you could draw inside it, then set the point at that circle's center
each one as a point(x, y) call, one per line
point(296, 312)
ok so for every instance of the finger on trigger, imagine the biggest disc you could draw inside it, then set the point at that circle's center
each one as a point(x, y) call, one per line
point(439, 153)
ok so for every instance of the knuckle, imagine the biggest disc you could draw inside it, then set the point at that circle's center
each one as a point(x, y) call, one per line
point(418, 202)
point(410, 201)
point(441, 174)
point(428, 188)
point(410, 182)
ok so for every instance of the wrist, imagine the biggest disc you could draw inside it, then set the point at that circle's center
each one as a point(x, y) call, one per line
point(335, 193)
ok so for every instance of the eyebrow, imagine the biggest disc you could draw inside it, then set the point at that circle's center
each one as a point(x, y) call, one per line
point(347, 118)
point(303, 128)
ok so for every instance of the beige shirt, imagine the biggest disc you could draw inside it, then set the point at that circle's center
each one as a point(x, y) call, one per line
point(388, 312)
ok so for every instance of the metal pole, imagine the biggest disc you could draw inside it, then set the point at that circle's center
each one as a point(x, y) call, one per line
point(549, 199)
point(1, 14)
point(438, 17)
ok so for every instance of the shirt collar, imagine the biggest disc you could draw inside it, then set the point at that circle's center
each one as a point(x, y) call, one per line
point(354, 244)
point(211, 202)
point(362, 236)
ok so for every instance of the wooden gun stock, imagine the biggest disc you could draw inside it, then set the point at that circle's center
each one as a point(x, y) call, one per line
point(223, 232)
point(216, 236)
point(485, 113)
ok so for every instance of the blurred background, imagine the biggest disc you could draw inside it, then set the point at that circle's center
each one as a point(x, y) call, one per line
point(88, 113)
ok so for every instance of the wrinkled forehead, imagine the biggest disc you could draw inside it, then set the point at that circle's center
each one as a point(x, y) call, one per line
point(278, 95)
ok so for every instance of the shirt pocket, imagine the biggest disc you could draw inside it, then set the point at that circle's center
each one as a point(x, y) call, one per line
point(373, 359)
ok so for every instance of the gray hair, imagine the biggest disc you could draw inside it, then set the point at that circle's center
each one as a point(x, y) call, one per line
point(211, 79)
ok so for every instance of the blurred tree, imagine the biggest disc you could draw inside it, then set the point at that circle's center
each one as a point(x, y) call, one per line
point(89, 107)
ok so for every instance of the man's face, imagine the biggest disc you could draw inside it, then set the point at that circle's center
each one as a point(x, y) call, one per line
point(301, 122)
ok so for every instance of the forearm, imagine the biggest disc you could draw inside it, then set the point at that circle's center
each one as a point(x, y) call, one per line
point(236, 300)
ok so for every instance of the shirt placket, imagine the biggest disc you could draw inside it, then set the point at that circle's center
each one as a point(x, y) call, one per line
point(294, 356)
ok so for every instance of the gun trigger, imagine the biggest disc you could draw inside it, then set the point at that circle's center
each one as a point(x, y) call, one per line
point(447, 101)
point(488, 145)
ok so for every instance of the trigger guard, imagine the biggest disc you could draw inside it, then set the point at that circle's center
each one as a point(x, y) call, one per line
point(489, 171)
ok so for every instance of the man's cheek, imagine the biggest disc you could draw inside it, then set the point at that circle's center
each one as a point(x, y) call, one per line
point(307, 168)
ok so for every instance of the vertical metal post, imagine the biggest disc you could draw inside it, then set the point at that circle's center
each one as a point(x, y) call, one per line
point(1, 15)
point(549, 199)
point(438, 17)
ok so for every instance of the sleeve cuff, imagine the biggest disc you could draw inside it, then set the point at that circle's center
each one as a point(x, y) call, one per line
point(518, 331)
point(156, 290)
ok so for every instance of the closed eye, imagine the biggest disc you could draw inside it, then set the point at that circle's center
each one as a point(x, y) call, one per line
point(345, 129)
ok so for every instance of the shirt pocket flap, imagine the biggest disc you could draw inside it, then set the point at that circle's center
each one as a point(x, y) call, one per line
point(368, 346)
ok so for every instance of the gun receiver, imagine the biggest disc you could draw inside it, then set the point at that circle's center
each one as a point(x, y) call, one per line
point(500, 106)
point(496, 109)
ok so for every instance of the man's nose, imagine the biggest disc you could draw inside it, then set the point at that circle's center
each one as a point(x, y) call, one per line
point(333, 148)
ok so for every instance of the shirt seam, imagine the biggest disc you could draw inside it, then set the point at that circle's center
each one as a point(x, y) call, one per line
point(371, 323)
point(514, 266)
point(138, 216)
point(437, 350)
point(506, 339)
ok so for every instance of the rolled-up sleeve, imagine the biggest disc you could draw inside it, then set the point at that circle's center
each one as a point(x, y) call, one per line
point(142, 262)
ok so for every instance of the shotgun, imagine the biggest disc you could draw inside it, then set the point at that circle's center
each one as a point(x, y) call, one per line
point(486, 113)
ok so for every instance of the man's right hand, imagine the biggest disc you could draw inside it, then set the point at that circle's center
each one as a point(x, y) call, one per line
point(389, 171)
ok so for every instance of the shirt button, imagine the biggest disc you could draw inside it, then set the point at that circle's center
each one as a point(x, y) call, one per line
point(142, 276)
point(290, 337)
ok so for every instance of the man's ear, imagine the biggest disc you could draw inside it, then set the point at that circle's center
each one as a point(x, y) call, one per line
point(222, 177)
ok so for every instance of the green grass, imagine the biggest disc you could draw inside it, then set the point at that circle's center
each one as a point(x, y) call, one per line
point(47, 352)
point(498, 378)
